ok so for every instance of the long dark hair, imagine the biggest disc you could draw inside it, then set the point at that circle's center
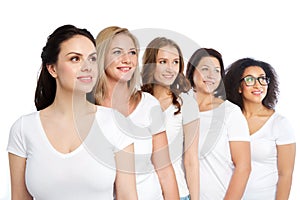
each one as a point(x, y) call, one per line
point(46, 84)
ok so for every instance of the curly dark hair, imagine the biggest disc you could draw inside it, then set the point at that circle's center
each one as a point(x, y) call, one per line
point(234, 74)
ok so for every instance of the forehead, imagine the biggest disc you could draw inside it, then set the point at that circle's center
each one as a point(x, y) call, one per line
point(168, 50)
point(209, 61)
point(78, 44)
point(254, 70)
point(122, 40)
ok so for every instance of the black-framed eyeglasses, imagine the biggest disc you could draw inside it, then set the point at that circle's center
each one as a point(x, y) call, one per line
point(251, 80)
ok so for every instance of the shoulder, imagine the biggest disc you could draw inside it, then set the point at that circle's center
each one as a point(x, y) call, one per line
point(188, 101)
point(283, 129)
point(27, 118)
point(280, 121)
point(231, 108)
point(187, 97)
point(149, 99)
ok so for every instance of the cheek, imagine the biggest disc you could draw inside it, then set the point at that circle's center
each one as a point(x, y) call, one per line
point(197, 77)
point(134, 60)
point(67, 71)
point(158, 70)
point(156, 75)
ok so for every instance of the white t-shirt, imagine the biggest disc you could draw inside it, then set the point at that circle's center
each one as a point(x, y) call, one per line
point(264, 174)
point(88, 172)
point(227, 123)
point(174, 130)
point(149, 120)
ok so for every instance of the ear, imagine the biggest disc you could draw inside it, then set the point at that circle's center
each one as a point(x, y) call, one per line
point(240, 90)
point(52, 70)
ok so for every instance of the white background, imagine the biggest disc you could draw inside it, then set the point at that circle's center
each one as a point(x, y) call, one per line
point(265, 30)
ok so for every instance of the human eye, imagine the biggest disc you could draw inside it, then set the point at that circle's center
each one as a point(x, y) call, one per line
point(218, 70)
point(75, 59)
point(117, 52)
point(264, 79)
point(176, 62)
point(93, 59)
point(249, 79)
point(162, 61)
point(132, 52)
point(204, 68)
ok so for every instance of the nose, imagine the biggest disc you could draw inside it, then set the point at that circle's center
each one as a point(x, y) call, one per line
point(210, 74)
point(86, 66)
point(125, 58)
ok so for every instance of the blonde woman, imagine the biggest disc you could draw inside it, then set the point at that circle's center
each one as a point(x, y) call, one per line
point(117, 51)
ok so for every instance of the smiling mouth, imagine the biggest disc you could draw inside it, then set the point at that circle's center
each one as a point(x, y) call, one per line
point(168, 76)
point(209, 82)
point(257, 92)
point(85, 79)
point(124, 69)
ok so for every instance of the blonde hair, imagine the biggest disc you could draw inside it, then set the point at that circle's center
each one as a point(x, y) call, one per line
point(103, 42)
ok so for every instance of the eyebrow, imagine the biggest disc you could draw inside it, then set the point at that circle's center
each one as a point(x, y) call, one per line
point(210, 66)
point(133, 48)
point(261, 75)
point(73, 53)
point(79, 54)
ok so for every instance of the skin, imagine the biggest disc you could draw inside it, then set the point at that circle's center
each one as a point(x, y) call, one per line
point(166, 71)
point(207, 77)
point(76, 74)
point(257, 115)
point(121, 62)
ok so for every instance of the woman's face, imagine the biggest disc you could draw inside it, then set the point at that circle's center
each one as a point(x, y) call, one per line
point(121, 59)
point(252, 89)
point(167, 65)
point(207, 75)
point(76, 67)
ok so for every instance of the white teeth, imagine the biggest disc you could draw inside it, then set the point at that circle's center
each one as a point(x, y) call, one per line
point(124, 68)
point(257, 92)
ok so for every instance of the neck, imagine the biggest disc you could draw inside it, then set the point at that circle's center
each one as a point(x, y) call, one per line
point(254, 109)
point(161, 92)
point(67, 103)
point(207, 101)
point(117, 93)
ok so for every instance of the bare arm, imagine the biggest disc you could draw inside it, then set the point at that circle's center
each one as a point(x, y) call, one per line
point(191, 162)
point(240, 153)
point(125, 183)
point(163, 166)
point(17, 174)
point(285, 163)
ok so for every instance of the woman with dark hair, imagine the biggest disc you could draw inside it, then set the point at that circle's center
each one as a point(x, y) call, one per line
point(68, 149)
point(224, 149)
point(162, 76)
point(253, 86)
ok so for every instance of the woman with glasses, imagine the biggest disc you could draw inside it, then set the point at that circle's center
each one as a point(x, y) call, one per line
point(253, 86)
point(224, 147)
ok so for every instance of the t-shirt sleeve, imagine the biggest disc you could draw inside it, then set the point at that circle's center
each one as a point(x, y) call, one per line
point(237, 126)
point(16, 142)
point(189, 108)
point(284, 131)
point(120, 130)
point(122, 140)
